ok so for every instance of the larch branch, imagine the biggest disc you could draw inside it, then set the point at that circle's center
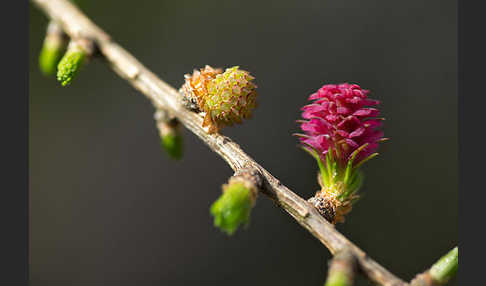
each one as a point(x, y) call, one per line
point(163, 96)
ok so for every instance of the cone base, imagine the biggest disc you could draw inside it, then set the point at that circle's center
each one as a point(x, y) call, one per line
point(332, 209)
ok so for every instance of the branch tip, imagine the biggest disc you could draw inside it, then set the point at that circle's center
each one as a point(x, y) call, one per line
point(441, 272)
point(446, 267)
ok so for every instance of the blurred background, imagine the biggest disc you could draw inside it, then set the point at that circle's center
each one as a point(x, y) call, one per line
point(108, 207)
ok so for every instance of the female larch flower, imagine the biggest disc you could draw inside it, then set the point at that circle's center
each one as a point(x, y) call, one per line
point(341, 133)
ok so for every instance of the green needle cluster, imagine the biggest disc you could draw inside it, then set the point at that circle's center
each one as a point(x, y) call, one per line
point(70, 64)
point(233, 207)
point(172, 144)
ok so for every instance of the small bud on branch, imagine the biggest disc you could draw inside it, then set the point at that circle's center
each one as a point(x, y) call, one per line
point(233, 207)
point(53, 48)
point(77, 54)
point(341, 269)
point(444, 269)
point(441, 272)
point(170, 134)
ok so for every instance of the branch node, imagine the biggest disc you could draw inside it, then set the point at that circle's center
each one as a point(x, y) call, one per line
point(251, 177)
point(423, 279)
point(87, 45)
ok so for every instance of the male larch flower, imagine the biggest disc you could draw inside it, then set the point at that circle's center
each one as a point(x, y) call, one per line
point(341, 132)
point(226, 97)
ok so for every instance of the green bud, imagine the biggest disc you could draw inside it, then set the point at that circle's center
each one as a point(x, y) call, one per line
point(233, 207)
point(52, 50)
point(338, 279)
point(444, 269)
point(172, 143)
point(49, 58)
point(70, 64)
point(341, 269)
point(170, 134)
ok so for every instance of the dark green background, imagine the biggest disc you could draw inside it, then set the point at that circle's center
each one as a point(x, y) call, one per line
point(109, 208)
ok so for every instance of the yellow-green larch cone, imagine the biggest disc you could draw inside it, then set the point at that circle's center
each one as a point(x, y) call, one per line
point(225, 98)
point(231, 98)
point(195, 86)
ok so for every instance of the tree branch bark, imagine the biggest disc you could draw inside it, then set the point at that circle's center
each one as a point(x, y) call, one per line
point(164, 96)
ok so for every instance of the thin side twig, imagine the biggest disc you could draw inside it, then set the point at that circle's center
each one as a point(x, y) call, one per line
point(441, 272)
point(164, 96)
point(341, 269)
